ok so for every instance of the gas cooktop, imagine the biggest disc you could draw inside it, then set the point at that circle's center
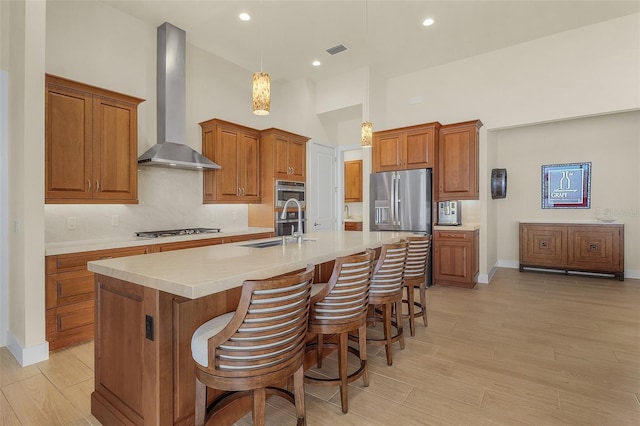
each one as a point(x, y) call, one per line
point(175, 232)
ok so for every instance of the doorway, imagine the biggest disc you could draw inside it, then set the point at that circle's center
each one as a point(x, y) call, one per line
point(321, 188)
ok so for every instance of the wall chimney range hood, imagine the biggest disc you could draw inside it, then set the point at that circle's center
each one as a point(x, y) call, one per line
point(171, 150)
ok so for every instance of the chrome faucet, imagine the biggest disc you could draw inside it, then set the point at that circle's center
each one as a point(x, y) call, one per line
point(297, 234)
point(346, 208)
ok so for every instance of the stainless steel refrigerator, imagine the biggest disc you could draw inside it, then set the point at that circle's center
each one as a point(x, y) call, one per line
point(401, 201)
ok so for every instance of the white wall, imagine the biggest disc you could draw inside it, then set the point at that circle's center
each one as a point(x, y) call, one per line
point(610, 142)
point(127, 63)
point(588, 71)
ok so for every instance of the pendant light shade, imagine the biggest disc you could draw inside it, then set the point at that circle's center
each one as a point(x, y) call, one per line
point(367, 133)
point(261, 93)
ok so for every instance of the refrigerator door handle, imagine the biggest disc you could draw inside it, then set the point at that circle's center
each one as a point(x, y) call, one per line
point(398, 199)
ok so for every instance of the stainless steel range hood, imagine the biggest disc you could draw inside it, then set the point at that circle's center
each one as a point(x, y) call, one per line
point(171, 150)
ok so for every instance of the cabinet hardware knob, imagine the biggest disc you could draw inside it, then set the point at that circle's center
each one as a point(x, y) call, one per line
point(88, 185)
point(97, 186)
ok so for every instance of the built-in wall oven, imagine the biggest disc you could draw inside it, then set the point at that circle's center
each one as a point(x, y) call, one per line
point(288, 189)
point(289, 224)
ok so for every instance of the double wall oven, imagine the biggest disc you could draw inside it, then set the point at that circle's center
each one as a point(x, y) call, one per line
point(283, 191)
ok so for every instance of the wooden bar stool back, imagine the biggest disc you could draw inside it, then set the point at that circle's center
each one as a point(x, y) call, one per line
point(415, 276)
point(260, 344)
point(340, 307)
point(385, 295)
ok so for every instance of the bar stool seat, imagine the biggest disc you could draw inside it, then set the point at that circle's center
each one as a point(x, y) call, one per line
point(259, 346)
point(385, 295)
point(340, 307)
point(415, 276)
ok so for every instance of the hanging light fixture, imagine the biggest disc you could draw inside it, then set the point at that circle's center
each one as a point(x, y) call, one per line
point(261, 99)
point(367, 127)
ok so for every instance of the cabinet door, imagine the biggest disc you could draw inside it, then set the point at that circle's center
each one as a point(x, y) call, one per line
point(595, 248)
point(281, 158)
point(115, 167)
point(353, 181)
point(227, 153)
point(455, 261)
point(209, 192)
point(543, 245)
point(297, 160)
point(419, 149)
point(458, 162)
point(68, 144)
point(387, 152)
point(249, 168)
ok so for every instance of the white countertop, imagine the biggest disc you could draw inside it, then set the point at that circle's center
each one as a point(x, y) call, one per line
point(51, 249)
point(202, 271)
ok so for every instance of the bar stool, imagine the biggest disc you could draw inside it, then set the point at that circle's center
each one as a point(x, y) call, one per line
point(415, 276)
point(386, 294)
point(260, 344)
point(340, 307)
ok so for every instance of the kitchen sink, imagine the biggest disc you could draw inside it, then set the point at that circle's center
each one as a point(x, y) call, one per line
point(264, 244)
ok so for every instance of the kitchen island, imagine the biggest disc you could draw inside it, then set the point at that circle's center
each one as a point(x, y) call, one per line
point(147, 308)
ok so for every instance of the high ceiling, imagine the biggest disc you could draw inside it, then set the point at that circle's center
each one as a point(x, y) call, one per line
point(386, 35)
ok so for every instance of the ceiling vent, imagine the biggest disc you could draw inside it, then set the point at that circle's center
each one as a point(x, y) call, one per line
point(336, 49)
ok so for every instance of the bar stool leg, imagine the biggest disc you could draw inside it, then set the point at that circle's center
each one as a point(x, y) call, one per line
point(399, 322)
point(423, 303)
point(259, 401)
point(201, 402)
point(342, 364)
point(386, 320)
point(319, 350)
point(298, 392)
point(362, 347)
point(410, 301)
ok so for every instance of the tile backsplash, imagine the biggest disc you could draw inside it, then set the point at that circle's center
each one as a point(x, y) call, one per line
point(168, 199)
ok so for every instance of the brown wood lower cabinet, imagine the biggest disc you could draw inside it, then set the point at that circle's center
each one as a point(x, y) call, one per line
point(353, 226)
point(594, 247)
point(456, 260)
point(69, 293)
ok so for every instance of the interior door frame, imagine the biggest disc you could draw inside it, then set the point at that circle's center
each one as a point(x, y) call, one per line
point(311, 208)
point(366, 171)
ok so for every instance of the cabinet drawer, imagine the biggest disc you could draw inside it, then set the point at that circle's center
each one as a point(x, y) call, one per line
point(69, 287)
point(353, 226)
point(69, 324)
point(78, 261)
point(453, 235)
point(248, 237)
point(186, 244)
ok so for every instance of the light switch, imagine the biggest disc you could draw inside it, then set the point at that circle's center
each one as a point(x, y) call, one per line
point(71, 223)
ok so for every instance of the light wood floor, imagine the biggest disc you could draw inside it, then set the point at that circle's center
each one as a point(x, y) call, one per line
point(529, 349)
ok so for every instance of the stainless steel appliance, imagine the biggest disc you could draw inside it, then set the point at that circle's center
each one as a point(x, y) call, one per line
point(401, 201)
point(175, 232)
point(288, 189)
point(449, 213)
point(289, 224)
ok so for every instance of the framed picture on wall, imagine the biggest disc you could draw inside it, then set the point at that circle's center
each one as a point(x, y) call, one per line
point(566, 186)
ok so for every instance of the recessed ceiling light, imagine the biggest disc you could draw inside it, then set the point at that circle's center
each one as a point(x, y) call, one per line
point(427, 22)
point(244, 16)
point(316, 63)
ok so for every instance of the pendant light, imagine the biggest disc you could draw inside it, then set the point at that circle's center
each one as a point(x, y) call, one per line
point(367, 127)
point(261, 99)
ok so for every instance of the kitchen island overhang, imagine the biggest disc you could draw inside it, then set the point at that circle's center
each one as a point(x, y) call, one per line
point(147, 308)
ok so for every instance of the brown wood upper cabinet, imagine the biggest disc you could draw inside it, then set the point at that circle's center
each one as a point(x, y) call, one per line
point(91, 144)
point(458, 161)
point(405, 148)
point(353, 181)
point(288, 153)
point(236, 149)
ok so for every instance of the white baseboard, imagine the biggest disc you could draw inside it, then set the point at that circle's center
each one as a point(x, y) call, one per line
point(27, 356)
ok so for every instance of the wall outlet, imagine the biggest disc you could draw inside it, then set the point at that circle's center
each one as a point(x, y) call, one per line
point(212, 217)
point(72, 222)
point(234, 215)
point(115, 220)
